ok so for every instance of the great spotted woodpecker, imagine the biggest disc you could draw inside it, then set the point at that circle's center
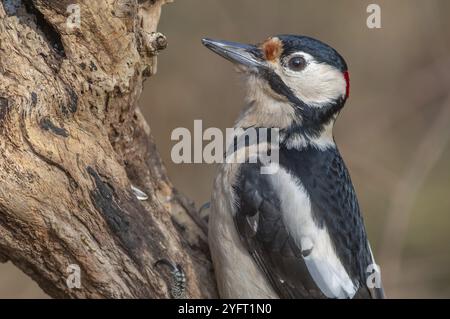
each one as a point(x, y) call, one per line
point(296, 233)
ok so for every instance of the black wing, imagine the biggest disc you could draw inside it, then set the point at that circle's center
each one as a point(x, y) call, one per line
point(259, 222)
point(291, 270)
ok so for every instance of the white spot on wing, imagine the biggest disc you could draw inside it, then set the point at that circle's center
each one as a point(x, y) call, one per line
point(306, 244)
point(253, 222)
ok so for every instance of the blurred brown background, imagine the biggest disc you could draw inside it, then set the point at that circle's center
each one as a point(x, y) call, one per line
point(394, 132)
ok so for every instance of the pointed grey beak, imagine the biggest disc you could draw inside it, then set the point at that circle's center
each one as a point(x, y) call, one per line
point(242, 54)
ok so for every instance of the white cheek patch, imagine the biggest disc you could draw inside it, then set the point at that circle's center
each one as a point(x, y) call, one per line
point(317, 84)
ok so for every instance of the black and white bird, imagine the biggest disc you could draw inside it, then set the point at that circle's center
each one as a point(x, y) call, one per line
point(296, 233)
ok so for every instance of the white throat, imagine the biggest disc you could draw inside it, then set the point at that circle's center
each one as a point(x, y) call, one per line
point(265, 108)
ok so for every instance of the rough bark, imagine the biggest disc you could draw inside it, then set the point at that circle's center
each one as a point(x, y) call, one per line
point(73, 141)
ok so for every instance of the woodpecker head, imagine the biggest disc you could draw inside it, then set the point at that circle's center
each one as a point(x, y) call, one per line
point(297, 80)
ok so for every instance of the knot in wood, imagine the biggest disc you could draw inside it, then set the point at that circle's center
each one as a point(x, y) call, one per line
point(155, 42)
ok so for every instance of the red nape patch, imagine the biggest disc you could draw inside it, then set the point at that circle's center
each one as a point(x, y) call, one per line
point(347, 83)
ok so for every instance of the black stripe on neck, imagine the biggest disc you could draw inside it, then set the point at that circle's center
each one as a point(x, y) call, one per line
point(313, 119)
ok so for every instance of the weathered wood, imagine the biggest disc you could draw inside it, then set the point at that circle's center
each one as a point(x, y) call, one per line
point(72, 141)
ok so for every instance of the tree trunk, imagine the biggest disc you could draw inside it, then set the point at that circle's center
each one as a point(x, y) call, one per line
point(73, 141)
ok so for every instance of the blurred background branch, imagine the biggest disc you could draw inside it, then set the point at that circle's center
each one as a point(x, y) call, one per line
point(429, 151)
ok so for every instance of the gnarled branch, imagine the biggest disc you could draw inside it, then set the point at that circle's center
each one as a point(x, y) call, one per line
point(73, 141)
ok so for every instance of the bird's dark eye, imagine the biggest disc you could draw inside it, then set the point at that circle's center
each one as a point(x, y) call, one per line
point(297, 63)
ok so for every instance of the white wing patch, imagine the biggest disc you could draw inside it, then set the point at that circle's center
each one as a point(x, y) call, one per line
point(322, 261)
